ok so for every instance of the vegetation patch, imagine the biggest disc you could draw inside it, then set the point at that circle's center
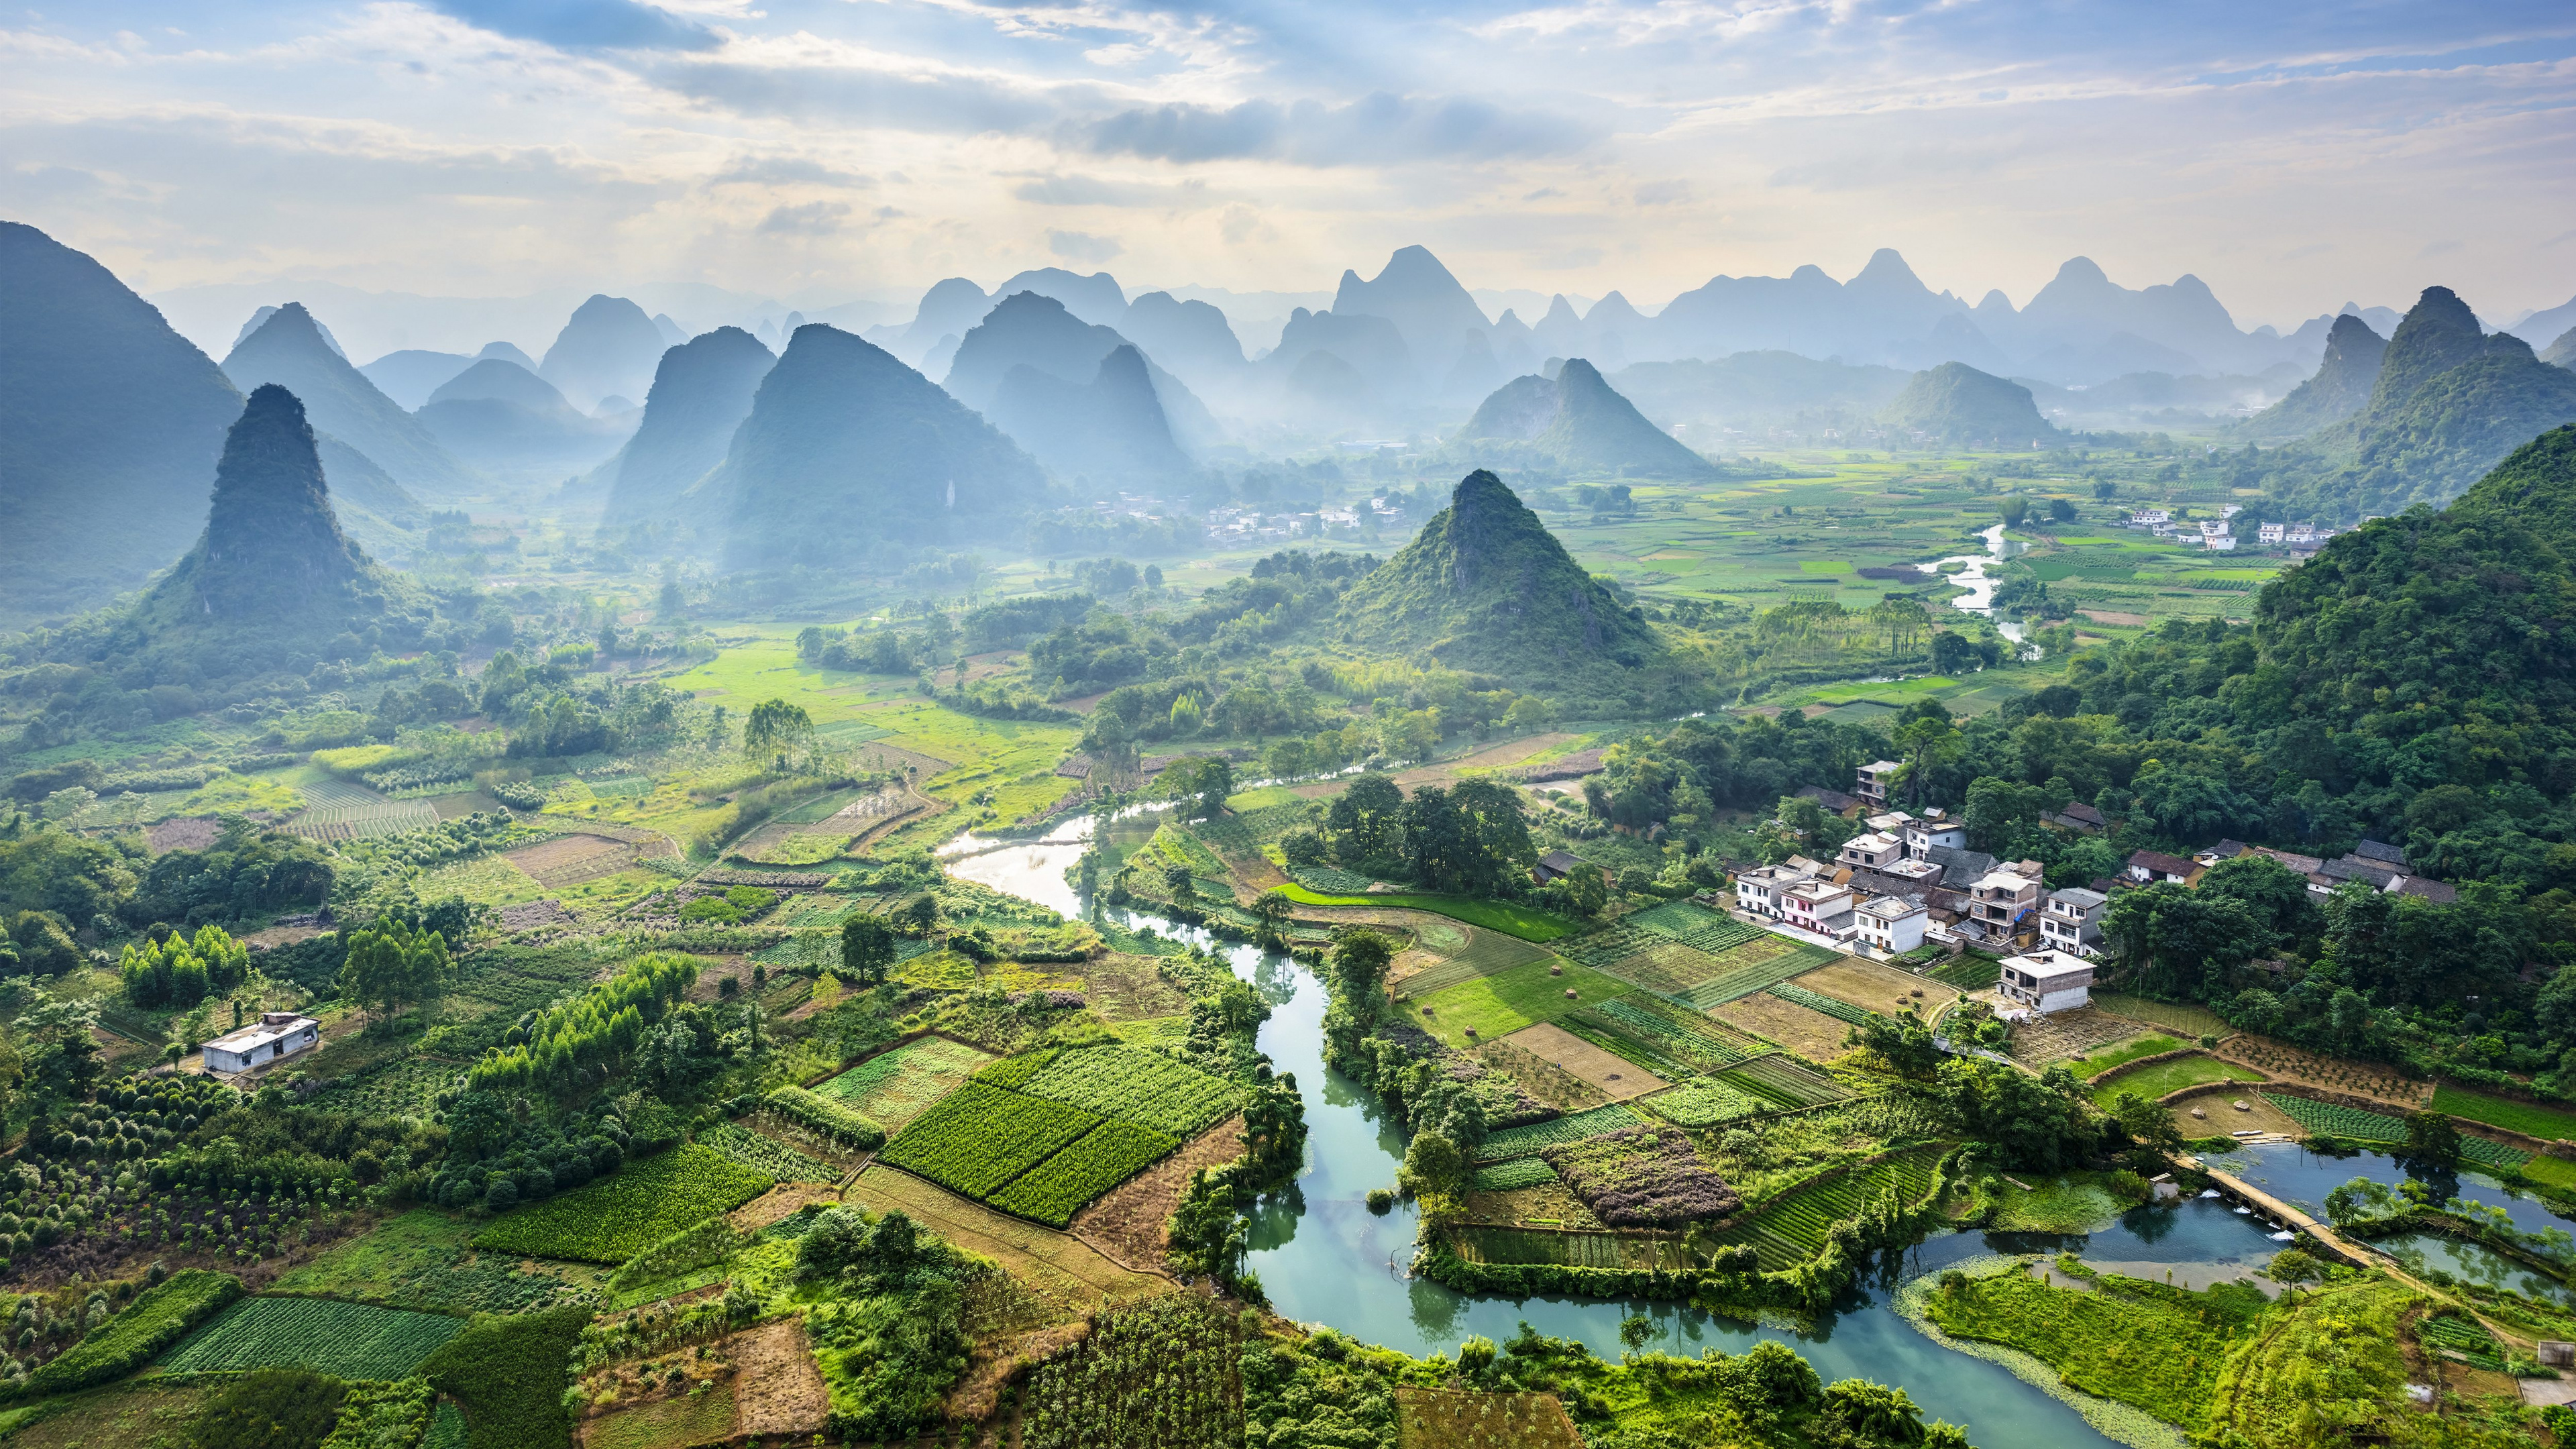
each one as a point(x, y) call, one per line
point(1530, 923)
point(1792, 1228)
point(424, 1259)
point(1521, 1141)
point(1109, 1154)
point(2527, 1118)
point(1146, 1088)
point(766, 1156)
point(1703, 1102)
point(2336, 1361)
point(2326, 1119)
point(160, 1317)
point(1496, 1006)
point(510, 1374)
point(1642, 1177)
point(612, 1220)
point(895, 1087)
point(1163, 1375)
point(2145, 1344)
point(344, 1340)
point(1518, 1173)
point(2112, 1058)
point(981, 1137)
point(1833, 1006)
point(2158, 1079)
point(1758, 963)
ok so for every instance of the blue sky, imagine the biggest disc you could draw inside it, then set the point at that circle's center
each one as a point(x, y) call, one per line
point(2294, 156)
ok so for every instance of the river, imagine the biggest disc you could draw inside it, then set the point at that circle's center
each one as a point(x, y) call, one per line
point(1324, 1258)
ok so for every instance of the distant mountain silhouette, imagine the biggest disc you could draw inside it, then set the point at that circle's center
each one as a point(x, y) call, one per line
point(288, 350)
point(410, 376)
point(1111, 428)
point(503, 418)
point(260, 318)
point(608, 346)
point(2342, 387)
point(701, 393)
point(1031, 329)
point(1484, 586)
point(1754, 390)
point(273, 579)
point(951, 308)
point(1580, 421)
point(110, 424)
point(1956, 404)
point(1369, 345)
point(1096, 299)
point(1193, 339)
point(1429, 308)
point(2562, 353)
point(848, 456)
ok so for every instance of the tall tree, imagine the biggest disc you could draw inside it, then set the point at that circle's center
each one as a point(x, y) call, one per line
point(777, 729)
point(867, 950)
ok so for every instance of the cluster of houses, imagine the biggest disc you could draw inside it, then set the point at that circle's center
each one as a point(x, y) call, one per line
point(2220, 533)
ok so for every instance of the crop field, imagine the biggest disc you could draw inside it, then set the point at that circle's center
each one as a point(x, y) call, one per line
point(1484, 953)
point(1704, 1102)
point(981, 1137)
point(1166, 1375)
point(405, 1088)
point(425, 1259)
point(1062, 1185)
point(2157, 1079)
point(1695, 926)
point(1493, 1243)
point(1613, 1073)
point(1457, 1419)
point(1834, 1007)
point(1747, 968)
point(488, 880)
point(344, 1340)
point(1516, 1173)
point(1520, 1141)
point(893, 1088)
point(1326, 880)
point(2114, 1057)
point(2062, 1035)
point(1498, 1005)
point(1065, 1271)
point(2527, 1118)
point(1141, 1087)
point(2325, 1119)
point(765, 1155)
point(615, 1218)
point(1792, 1228)
point(1810, 1034)
point(2191, 1022)
point(1608, 945)
point(1527, 922)
point(1971, 974)
point(341, 810)
point(1871, 986)
point(1784, 1082)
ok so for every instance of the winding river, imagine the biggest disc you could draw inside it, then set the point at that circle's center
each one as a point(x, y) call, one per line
point(1324, 1258)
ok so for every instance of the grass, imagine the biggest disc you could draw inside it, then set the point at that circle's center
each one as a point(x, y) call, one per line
point(893, 1088)
point(423, 1259)
point(2192, 1022)
point(2145, 1344)
point(2072, 1202)
point(693, 1418)
point(2334, 1369)
point(1498, 1005)
point(1527, 922)
point(138, 1414)
point(345, 1340)
point(2530, 1119)
point(617, 1217)
point(2120, 1054)
point(2156, 1079)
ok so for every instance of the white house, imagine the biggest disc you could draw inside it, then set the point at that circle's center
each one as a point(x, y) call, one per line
point(2270, 532)
point(2217, 535)
point(1922, 835)
point(1891, 925)
point(2047, 981)
point(1817, 905)
point(2071, 921)
point(1757, 891)
point(277, 1035)
point(2149, 517)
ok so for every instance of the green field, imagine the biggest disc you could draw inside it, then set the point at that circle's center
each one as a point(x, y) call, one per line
point(894, 1087)
point(615, 1218)
point(1498, 1005)
point(1527, 922)
point(345, 1340)
point(2120, 1054)
point(2528, 1118)
point(1054, 1190)
point(2157, 1079)
point(1521, 1141)
point(424, 1259)
point(1146, 1088)
point(1791, 1228)
point(980, 1137)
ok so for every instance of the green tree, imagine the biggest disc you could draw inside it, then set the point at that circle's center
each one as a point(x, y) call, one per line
point(867, 950)
point(1434, 1167)
point(1927, 745)
point(1200, 782)
point(777, 729)
point(1366, 820)
point(61, 1052)
point(393, 965)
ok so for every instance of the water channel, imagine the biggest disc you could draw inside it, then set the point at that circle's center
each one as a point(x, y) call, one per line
point(1324, 1258)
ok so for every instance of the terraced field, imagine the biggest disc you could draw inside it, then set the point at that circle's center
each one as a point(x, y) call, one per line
point(1792, 1228)
point(341, 810)
point(1755, 964)
point(2325, 1119)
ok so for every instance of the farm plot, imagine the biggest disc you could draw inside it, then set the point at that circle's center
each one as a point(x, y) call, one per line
point(2159, 1079)
point(1792, 1228)
point(2280, 1059)
point(619, 1216)
point(1810, 1034)
point(980, 1137)
point(1834, 1007)
point(405, 1088)
point(1612, 1075)
point(1747, 968)
point(1325, 880)
point(570, 859)
point(2186, 1021)
point(340, 810)
point(895, 1087)
point(763, 1155)
point(1704, 1102)
point(1068, 1273)
point(1521, 1141)
point(1870, 986)
point(1498, 1005)
point(1456, 1419)
point(1695, 926)
point(1054, 1190)
point(1784, 1083)
point(1970, 973)
point(1609, 945)
point(2325, 1119)
point(1131, 988)
point(2528, 1118)
point(2064, 1034)
point(344, 1340)
point(1142, 1087)
point(1492, 1243)
point(1519, 1172)
point(1486, 953)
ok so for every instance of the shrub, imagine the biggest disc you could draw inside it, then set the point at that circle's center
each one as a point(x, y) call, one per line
point(691, 1247)
point(272, 1408)
point(159, 1318)
point(618, 1217)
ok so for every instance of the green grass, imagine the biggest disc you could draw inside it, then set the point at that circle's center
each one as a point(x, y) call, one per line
point(2556, 1172)
point(2159, 1078)
point(2120, 1054)
point(2071, 1202)
point(894, 1087)
point(1527, 922)
point(2145, 1344)
point(345, 1340)
point(980, 1137)
point(422, 1259)
point(615, 1218)
point(1519, 1172)
point(1498, 1005)
point(2530, 1119)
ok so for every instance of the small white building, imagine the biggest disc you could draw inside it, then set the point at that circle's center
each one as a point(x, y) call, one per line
point(1891, 925)
point(2047, 981)
point(1922, 835)
point(2149, 517)
point(1757, 891)
point(278, 1034)
point(1813, 905)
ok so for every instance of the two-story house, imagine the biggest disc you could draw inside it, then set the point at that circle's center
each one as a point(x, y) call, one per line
point(2047, 981)
point(1819, 906)
point(1874, 850)
point(1874, 781)
point(1757, 891)
point(2150, 867)
point(1922, 835)
point(2071, 921)
point(1891, 925)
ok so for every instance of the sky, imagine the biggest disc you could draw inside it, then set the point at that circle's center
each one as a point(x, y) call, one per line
point(2295, 156)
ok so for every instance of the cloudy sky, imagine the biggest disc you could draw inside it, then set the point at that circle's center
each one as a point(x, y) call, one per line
point(2293, 155)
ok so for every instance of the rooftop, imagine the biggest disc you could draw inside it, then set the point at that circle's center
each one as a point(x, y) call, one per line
point(2046, 966)
point(2080, 898)
point(271, 1026)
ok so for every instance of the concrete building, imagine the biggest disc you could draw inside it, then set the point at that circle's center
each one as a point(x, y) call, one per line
point(1874, 781)
point(2047, 981)
point(1757, 891)
point(1922, 835)
point(1819, 906)
point(1891, 925)
point(1875, 850)
point(2071, 921)
point(277, 1035)
point(2002, 902)
point(2148, 867)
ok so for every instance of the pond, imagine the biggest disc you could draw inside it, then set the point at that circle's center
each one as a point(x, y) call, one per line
point(1324, 1258)
point(2303, 1178)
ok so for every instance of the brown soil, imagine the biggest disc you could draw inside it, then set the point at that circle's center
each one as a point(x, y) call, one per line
point(779, 1202)
point(1613, 1076)
point(2115, 616)
point(1064, 1270)
point(1127, 1225)
point(1873, 987)
point(777, 1388)
point(1130, 988)
point(2290, 1064)
point(1554, 1204)
point(997, 1360)
point(1442, 1418)
point(2064, 1034)
point(567, 859)
point(182, 832)
point(1811, 1034)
